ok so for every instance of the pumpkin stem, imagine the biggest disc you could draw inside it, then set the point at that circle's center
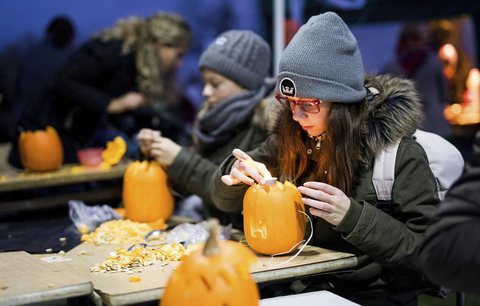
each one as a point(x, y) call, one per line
point(211, 245)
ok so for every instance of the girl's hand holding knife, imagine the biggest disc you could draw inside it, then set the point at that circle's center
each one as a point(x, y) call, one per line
point(248, 171)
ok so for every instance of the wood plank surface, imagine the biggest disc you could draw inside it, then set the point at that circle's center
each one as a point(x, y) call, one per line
point(27, 279)
point(312, 260)
point(116, 289)
point(22, 180)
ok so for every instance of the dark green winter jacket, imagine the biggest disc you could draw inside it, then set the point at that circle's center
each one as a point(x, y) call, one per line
point(385, 238)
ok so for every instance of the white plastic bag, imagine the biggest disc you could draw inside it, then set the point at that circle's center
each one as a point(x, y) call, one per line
point(188, 233)
point(87, 218)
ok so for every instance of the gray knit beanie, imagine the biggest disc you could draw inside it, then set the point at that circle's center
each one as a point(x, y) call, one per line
point(322, 61)
point(241, 56)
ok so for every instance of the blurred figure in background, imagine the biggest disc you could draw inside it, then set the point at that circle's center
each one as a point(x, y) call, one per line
point(456, 64)
point(41, 63)
point(36, 74)
point(416, 60)
point(5, 105)
point(120, 81)
point(236, 114)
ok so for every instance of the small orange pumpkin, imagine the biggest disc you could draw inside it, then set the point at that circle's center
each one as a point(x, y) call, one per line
point(216, 275)
point(147, 196)
point(273, 219)
point(40, 150)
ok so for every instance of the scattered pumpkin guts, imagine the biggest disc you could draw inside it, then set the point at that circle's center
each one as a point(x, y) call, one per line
point(111, 155)
point(123, 260)
point(118, 232)
point(136, 257)
point(114, 152)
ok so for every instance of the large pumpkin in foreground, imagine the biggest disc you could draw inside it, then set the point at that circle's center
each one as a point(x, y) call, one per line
point(273, 218)
point(147, 196)
point(40, 150)
point(218, 275)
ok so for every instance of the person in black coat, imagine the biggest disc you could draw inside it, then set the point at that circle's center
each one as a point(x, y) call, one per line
point(450, 254)
point(120, 81)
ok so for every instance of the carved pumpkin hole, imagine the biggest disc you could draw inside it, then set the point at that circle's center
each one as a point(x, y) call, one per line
point(205, 282)
point(225, 278)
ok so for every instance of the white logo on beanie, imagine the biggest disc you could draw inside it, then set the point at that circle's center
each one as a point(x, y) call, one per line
point(287, 87)
point(221, 41)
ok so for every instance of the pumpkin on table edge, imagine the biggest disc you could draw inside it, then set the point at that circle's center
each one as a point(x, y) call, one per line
point(217, 275)
point(147, 196)
point(273, 218)
point(40, 150)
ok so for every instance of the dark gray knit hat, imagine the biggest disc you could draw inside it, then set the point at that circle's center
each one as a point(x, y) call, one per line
point(322, 61)
point(241, 56)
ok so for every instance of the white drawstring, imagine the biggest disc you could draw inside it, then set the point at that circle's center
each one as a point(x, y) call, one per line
point(293, 247)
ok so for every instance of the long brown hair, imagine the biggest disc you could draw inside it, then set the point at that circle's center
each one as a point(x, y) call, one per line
point(143, 36)
point(339, 159)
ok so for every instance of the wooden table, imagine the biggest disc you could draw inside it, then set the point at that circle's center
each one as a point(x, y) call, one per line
point(26, 279)
point(67, 174)
point(14, 181)
point(116, 289)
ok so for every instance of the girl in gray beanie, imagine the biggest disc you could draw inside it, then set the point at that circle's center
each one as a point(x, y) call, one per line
point(334, 122)
point(235, 113)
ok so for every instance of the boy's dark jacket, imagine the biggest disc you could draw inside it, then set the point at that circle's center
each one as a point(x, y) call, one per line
point(191, 170)
point(385, 242)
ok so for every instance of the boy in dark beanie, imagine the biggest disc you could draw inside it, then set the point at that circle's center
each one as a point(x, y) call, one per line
point(235, 113)
point(333, 124)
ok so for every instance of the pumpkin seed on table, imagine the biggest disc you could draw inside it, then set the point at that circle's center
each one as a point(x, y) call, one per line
point(123, 260)
point(118, 232)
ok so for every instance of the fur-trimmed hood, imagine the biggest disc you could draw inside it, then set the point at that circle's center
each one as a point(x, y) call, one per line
point(392, 111)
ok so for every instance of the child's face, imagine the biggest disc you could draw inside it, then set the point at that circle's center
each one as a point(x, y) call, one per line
point(314, 124)
point(218, 88)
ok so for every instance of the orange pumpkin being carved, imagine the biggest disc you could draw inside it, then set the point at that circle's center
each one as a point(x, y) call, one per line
point(218, 275)
point(273, 219)
point(40, 150)
point(146, 194)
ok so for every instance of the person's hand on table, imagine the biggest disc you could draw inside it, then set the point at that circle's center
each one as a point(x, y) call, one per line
point(129, 101)
point(164, 150)
point(246, 170)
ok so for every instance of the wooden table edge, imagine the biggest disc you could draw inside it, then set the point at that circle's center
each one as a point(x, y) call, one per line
point(70, 291)
point(306, 270)
point(259, 277)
